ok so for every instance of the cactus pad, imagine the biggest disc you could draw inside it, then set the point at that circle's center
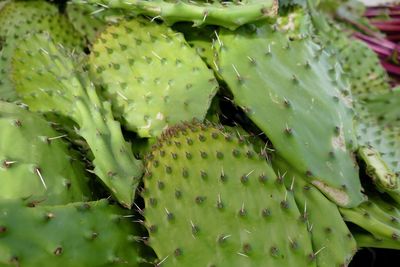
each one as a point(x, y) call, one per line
point(364, 70)
point(380, 148)
point(366, 240)
point(227, 14)
point(385, 107)
point(18, 18)
point(35, 162)
point(212, 201)
point(90, 20)
point(292, 92)
point(87, 234)
point(151, 84)
point(48, 80)
point(379, 217)
point(331, 238)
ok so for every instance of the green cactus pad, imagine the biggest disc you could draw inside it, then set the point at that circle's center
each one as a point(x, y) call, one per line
point(362, 65)
point(380, 149)
point(80, 17)
point(90, 20)
point(378, 132)
point(385, 107)
point(376, 104)
point(212, 201)
point(201, 39)
point(379, 217)
point(18, 18)
point(48, 80)
point(151, 84)
point(331, 238)
point(290, 90)
point(35, 162)
point(381, 174)
point(87, 234)
point(227, 14)
point(366, 240)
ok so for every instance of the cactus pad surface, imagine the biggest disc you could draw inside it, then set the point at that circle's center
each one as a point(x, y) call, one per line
point(212, 201)
point(48, 80)
point(292, 92)
point(36, 163)
point(152, 85)
point(19, 18)
point(88, 234)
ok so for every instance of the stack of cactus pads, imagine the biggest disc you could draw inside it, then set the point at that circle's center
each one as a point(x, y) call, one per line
point(192, 133)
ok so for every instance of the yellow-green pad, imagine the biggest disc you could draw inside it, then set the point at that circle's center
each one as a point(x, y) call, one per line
point(212, 201)
point(153, 77)
point(90, 20)
point(19, 18)
point(49, 80)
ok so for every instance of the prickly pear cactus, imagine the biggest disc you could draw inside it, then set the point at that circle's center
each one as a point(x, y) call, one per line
point(361, 64)
point(48, 80)
point(377, 216)
point(151, 84)
point(376, 167)
point(35, 162)
point(376, 104)
point(290, 90)
point(88, 234)
point(227, 14)
point(385, 107)
point(331, 238)
point(90, 20)
point(380, 150)
point(212, 201)
point(201, 40)
point(367, 240)
point(18, 18)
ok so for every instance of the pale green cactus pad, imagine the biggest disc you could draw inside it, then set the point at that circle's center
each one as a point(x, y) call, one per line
point(154, 78)
point(210, 200)
point(48, 80)
point(36, 163)
point(290, 90)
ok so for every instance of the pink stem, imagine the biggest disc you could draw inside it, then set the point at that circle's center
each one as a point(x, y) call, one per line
point(387, 28)
point(393, 69)
point(378, 41)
